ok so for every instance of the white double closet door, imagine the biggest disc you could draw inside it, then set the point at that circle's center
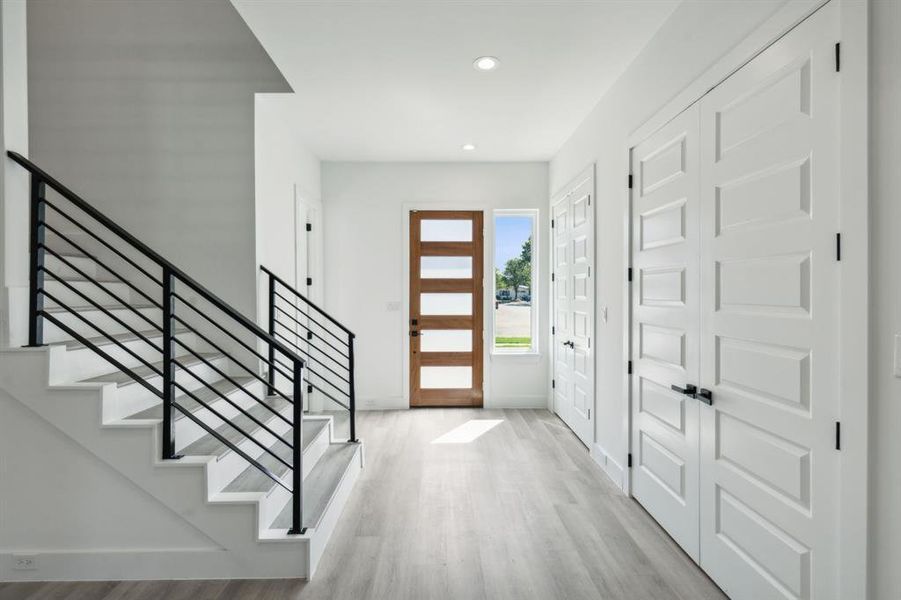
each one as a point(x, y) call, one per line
point(735, 211)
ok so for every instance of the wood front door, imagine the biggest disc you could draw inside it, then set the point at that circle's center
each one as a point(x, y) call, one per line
point(445, 324)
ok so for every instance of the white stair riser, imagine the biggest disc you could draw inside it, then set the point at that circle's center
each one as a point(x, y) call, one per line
point(53, 334)
point(134, 397)
point(84, 363)
point(187, 431)
point(271, 506)
point(69, 297)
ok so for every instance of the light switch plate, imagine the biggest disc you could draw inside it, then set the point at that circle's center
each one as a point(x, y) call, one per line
point(392, 306)
point(898, 355)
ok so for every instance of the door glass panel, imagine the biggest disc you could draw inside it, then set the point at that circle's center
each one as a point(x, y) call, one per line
point(445, 304)
point(445, 340)
point(445, 378)
point(445, 230)
point(446, 267)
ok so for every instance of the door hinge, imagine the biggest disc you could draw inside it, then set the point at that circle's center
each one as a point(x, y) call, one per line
point(630, 181)
point(309, 227)
point(552, 223)
point(589, 414)
point(838, 247)
point(629, 274)
point(589, 270)
point(589, 199)
point(629, 460)
point(553, 277)
point(309, 281)
point(553, 383)
point(629, 368)
point(309, 388)
point(838, 57)
point(309, 335)
point(838, 435)
point(553, 330)
point(589, 342)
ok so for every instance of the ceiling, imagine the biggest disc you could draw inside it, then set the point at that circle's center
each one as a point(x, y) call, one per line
point(394, 81)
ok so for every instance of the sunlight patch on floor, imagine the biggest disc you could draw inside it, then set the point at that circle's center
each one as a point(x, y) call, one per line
point(468, 432)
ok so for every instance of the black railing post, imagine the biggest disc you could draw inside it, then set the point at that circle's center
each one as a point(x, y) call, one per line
point(271, 390)
point(168, 364)
point(36, 266)
point(297, 442)
point(352, 401)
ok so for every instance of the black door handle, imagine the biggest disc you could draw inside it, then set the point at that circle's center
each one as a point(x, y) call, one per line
point(688, 390)
point(414, 333)
point(570, 343)
point(705, 396)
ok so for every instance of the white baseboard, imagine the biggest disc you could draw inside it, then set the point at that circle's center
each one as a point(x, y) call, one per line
point(496, 402)
point(610, 467)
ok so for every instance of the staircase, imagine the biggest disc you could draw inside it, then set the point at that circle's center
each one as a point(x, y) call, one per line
point(187, 399)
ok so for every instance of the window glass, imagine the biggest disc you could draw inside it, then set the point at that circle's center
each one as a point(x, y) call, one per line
point(513, 272)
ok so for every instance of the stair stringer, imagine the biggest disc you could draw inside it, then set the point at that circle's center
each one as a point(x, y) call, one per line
point(230, 520)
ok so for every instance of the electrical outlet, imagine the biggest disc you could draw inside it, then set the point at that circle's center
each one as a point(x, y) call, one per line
point(898, 355)
point(25, 562)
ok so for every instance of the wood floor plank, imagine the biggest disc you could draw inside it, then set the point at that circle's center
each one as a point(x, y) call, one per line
point(519, 513)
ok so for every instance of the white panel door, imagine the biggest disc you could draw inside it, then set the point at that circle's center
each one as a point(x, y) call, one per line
point(573, 257)
point(769, 324)
point(665, 315)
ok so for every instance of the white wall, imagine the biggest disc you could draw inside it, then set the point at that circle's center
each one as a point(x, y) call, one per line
point(364, 209)
point(885, 298)
point(147, 110)
point(287, 180)
point(13, 180)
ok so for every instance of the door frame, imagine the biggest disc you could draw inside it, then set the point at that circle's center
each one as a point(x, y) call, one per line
point(588, 172)
point(403, 324)
point(854, 278)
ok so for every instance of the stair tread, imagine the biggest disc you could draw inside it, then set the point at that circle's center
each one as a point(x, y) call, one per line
point(119, 337)
point(223, 386)
point(252, 479)
point(208, 445)
point(120, 378)
point(79, 307)
point(320, 485)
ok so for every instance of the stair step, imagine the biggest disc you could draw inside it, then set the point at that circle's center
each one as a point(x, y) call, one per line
point(223, 386)
point(254, 480)
point(123, 379)
point(320, 485)
point(208, 445)
point(123, 338)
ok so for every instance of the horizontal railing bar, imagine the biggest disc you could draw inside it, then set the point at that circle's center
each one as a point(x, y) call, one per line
point(315, 335)
point(112, 295)
point(149, 252)
point(210, 387)
point(307, 301)
point(222, 374)
point(102, 309)
point(246, 435)
point(311, 372)
point(318, 324)
point(84, 320)
point(106, 268)
point(244, 344)
point(317, 361)
point(234, 448)
point(118, 252)
point(310, 369)
point(90, 345)
point(237, 362)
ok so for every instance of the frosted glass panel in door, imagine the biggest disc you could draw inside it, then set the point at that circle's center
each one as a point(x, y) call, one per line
point(445, 304)
point(446, 230)
point(445, 340)
point(445, 378)
point(446, 267)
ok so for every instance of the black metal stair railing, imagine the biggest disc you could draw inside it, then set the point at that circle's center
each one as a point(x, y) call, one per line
point(61, 228)
point(325, 343)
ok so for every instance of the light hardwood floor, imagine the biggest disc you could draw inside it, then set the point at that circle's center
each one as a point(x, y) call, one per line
point(519, 513)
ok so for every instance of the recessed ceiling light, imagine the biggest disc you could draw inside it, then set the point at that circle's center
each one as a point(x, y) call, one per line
point(469, 147)
point(486, 63)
